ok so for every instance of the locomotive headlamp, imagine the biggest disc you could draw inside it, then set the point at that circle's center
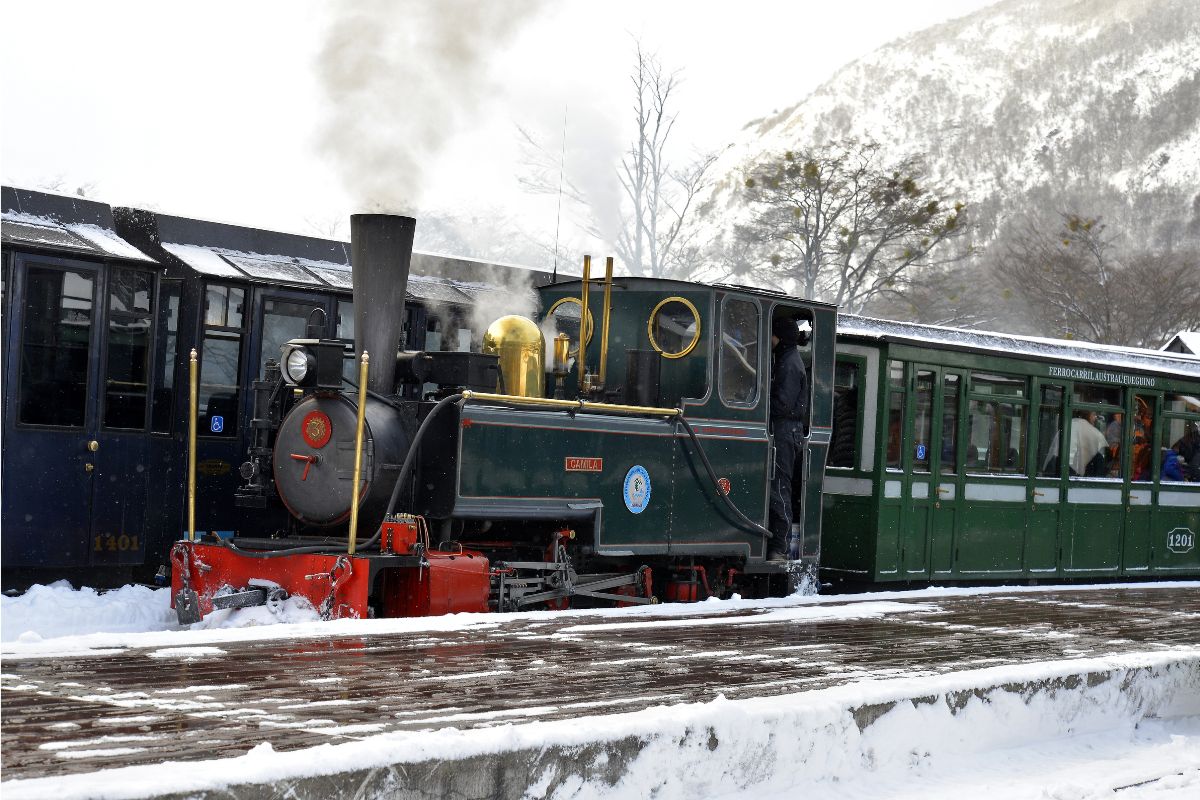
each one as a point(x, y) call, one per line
point(313, 363)
point(297, 364)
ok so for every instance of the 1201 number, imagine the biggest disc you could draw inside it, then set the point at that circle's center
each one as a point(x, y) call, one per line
point(1181, 540)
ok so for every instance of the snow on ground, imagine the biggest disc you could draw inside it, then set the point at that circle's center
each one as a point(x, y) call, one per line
point(58, 619)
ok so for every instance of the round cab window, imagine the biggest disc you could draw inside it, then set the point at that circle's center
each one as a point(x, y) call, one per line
point(674, 327)
point(563, 317)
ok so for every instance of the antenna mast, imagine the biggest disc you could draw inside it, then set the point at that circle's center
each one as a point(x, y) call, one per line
point(558, 212)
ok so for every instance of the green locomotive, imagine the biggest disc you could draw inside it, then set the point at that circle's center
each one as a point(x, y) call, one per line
point(640, 469)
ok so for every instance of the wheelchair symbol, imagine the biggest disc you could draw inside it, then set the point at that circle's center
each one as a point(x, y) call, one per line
point(217, 424)
point(921, 452)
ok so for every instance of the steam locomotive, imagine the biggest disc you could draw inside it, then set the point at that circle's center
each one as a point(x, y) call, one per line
point(533, 474)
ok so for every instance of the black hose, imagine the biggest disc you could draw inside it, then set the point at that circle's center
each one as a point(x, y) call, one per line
point(409, 459)
point(406, 468)
point(716, 482)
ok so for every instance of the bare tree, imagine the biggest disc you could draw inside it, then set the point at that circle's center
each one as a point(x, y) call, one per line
point(330, 227)
point(654, 239)
point(844, 229)
point(1074, 284)
point(1161, 297)
point(954, 295)
point(60, 185)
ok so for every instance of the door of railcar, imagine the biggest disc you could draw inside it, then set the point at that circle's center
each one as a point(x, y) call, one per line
point(1042, 544)
point(77, 458)
point(927, 531)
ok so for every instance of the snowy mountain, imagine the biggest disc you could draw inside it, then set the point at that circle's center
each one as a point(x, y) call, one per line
point(1028, 107)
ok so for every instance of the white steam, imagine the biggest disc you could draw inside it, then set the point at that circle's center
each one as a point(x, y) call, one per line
point(509, 292)
point(401, 77)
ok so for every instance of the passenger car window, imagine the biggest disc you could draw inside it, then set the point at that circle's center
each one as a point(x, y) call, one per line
point(996, 438)
point(1050, 412)
point(922, 421)
point(1142, 468)
point(895, 413)
point(739, 352)
point(950, 385)
point(220, 361)
point(127, 371)
point(164, 370)
point(55, 346)
point(283, 321)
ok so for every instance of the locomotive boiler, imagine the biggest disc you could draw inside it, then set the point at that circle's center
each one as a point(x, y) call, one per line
point(531, 474)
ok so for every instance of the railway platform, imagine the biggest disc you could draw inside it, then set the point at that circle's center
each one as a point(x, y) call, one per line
point(472, 689)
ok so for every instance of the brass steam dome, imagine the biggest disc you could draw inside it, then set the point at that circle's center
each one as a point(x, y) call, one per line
point(521, 347)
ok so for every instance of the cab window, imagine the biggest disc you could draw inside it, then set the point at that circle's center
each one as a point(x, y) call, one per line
point(843, 446)
point(739, 352)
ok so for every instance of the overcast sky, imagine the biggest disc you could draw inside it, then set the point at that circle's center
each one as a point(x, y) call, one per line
point(226, 110)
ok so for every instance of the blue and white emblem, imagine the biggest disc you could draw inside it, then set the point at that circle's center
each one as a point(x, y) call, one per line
point(637, 489)
point(921, 452)
point(216, 424)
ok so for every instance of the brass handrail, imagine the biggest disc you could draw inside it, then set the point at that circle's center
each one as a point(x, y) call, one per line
point(194, 412)
point(579, 405)
point(608, 276)
point(358, 442)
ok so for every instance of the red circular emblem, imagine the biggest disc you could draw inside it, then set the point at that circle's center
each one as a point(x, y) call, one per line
point(316, 429)
point(725, 485)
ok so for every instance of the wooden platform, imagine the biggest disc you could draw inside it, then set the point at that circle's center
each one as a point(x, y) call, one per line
point(65, 715)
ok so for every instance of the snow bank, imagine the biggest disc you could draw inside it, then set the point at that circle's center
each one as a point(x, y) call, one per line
point(62, 614)
point(870, 739)
point(46, 612)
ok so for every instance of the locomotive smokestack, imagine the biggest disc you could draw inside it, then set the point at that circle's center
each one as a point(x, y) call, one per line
point(380, 252)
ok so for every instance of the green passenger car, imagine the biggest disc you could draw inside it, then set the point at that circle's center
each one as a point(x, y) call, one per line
point(970, 456)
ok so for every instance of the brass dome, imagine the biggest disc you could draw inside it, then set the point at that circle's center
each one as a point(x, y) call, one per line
point(521, 347)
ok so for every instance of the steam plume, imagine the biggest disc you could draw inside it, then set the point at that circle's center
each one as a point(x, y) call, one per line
point(401, 77)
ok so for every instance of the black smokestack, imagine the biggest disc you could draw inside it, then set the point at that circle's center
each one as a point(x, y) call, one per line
point(380, 252)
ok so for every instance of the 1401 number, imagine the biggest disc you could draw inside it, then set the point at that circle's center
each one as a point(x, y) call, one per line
point(111, 543)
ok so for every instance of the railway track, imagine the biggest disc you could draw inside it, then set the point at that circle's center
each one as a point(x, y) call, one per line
point(81, 713)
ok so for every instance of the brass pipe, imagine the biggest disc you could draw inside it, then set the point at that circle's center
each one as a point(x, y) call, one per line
point(358, 441)
point(583, 321)
point(578, 405)
point(608, 271)
point(194, 412)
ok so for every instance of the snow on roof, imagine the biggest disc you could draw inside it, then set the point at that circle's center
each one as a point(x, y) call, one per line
point(1184, 342)
point(219, 262)
point(1131, 358)
point(48, 232)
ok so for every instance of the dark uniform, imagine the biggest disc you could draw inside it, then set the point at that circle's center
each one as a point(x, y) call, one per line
point(789, 413)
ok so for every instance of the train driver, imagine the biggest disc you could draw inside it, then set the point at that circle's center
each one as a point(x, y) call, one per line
point(789, 412)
